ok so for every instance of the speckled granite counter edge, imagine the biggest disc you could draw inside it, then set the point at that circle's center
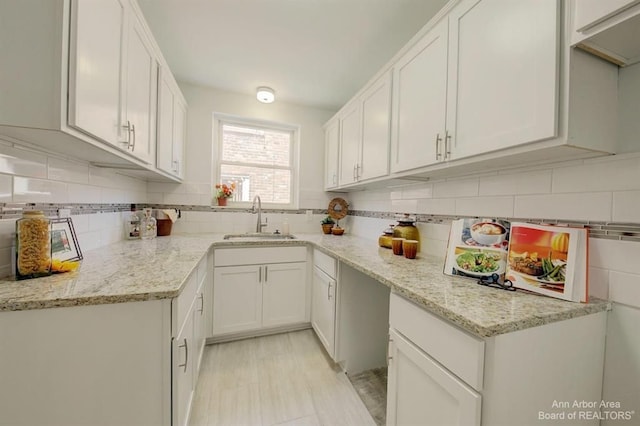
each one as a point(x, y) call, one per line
point(462, 322)
point(578, 309)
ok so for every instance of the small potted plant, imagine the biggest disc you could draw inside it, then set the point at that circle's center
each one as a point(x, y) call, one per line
point(224, 191)
point(327, 224)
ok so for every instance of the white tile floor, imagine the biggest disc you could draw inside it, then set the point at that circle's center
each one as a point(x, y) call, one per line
point(284, 379)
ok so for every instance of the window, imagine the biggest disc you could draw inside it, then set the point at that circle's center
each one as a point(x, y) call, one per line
point(260, 158)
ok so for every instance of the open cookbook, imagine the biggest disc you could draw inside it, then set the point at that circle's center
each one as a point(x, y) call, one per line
point(545, 259)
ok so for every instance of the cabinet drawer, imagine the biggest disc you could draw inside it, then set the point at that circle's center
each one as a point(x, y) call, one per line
point(325, 262)
point(259, 255)
point(458, 351)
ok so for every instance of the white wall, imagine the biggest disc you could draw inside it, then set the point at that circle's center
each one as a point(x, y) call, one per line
point(199, 163)
point(30, 176)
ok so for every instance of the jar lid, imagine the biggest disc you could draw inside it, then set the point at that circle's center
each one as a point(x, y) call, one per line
point(32, 213)
point(405, 219)
point(389, 230)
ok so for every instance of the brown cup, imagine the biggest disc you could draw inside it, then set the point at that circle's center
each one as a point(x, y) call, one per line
point(396, 245)
point(410, 248)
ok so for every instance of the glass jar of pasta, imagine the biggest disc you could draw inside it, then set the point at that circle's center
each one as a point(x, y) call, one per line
point(33, 245)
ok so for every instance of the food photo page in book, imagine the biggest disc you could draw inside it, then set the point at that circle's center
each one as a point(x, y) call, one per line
point(477, 248)
point(549, 260)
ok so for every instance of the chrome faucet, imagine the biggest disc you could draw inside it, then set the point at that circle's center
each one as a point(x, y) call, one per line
point(259, 224)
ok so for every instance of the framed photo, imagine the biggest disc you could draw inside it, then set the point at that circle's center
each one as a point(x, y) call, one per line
point(64, 243)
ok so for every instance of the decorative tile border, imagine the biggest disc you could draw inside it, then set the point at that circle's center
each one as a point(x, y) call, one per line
point(605, 230)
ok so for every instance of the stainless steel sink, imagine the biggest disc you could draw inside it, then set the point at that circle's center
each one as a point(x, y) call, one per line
point(259, 236)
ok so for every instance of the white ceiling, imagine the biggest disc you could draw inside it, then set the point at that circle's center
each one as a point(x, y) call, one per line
point(311, 52)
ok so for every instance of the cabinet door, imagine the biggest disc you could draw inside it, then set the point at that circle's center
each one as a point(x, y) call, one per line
point(503, 66)
point(332, 145)
point(349, 144)
point(591, 12)
point(323, 309)
point(199, 327)
point(165, 123)
point(95, 67)
point(421, 391)
point(182, 373)
point(179, 136)
point(284, 294)
point(376, 122)
point(419, 99)
point(138, 123)
point(237, 299)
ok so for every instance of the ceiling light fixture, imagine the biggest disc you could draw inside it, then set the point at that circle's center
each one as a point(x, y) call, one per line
point(266, 95)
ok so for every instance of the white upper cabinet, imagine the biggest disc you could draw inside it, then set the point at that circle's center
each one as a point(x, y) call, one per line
point(592, 12)
point(139, 102)
point(350, 126)
point(609, 29)
point(364, 134)
point(172, 112)
point(376, 113)
point(80, 78)
point(419, 102)
point(332, 154)
point(488, 83)
point(503, 68)
point(95, 62)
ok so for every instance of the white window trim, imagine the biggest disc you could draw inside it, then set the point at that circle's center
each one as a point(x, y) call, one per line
point(219, 118)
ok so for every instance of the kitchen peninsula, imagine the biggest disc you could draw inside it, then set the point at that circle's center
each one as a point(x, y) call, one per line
point(117, 352)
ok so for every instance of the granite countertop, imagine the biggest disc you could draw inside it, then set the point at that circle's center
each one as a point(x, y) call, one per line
point(141, 270)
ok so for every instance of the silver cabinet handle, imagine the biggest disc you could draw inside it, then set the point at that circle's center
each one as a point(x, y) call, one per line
point(438, 140)
point(357, 171)
point(265, 274)
point(354, 172)
point(201, 310)
point(133, 130)
point(329, 291)
point(260, 274)
point(128, 128)
point(186, 355)
point(447, 147)
point(176, 166)
point(335, 178)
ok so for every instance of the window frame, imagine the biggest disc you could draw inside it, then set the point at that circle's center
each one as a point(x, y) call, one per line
point(294, 157)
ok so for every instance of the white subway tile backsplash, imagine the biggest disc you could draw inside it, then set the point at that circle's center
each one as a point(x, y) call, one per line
point(29, 190)
point(79, 193)
point(112, 195)
point(7, 232)
point(6, 188)
point(595, 206)
point(625, 288)
point(404, 206)
point(456, 188)
point(532, 182)
point(620, 174)
point(417, 191)
point(614, 255)
point(626, 206)
point(22, 162)
point(81, 222)
point(184, 199)
point(443, 206)
point(598, 282)
point(485, 206)
point(89, 240)
point(67, 171)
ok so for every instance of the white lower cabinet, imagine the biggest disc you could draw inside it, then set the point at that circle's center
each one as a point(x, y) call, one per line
point(183, 372)
point(259, 296)
point(133, 363)
point(323, 301)
point(442, 375)
point(421, 391)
